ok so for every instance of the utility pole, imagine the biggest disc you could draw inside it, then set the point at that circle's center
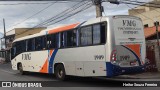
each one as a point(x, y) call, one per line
point(157, 24)
point(157, 33)
point(99, 7)
point(4, 31)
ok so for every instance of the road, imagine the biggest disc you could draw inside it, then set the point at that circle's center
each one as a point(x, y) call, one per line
point(78, 83)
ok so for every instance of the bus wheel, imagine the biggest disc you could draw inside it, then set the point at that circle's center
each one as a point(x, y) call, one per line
point(20, 69)
point(60, 72)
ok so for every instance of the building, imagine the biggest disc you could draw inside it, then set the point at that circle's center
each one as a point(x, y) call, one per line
point(20, 32)
point(14, 34)
point(149, 15)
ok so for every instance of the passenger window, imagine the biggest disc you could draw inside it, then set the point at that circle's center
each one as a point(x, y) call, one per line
point(18, 48)
point(53, 41)
point(74, 37)
point(71, 38)
point(86, 36)
point(31, 44)
point(96, 34)
point(13, 50)
point(44, 42)
point(63, 39)
point(23, 44)
point(103, 32)
point(38, 43)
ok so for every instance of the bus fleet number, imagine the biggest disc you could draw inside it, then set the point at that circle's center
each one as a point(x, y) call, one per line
point(98, 57)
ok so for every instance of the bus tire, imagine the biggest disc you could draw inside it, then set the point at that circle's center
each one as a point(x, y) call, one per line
point(20, 68)
point(60, 72)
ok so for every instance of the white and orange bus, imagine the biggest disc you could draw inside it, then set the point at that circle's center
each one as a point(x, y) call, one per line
point(105, 46)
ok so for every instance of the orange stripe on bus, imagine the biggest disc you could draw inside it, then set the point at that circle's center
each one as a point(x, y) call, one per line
point(64, 28)
point(135, 48)
point(44, 69)
point(51, 51)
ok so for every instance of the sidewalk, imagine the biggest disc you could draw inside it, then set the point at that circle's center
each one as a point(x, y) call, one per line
point(145, 75)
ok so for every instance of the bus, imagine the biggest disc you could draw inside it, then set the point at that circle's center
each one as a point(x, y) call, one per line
point(104, 46)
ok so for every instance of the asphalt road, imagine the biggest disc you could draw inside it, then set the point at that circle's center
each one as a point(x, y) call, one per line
point(78, 83)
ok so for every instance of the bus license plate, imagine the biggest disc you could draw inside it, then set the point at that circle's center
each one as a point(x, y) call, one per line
point(133, 63)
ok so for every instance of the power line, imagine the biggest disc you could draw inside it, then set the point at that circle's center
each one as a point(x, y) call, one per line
point(35, 14)
point(140, 4)
point(67, 14)
point(40, 12)
point(150, 3)
point(84, 8)
point(22, 3)
point(89, 5)
point(63, 13)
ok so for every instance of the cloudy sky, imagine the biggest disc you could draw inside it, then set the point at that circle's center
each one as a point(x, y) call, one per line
point(16, 15)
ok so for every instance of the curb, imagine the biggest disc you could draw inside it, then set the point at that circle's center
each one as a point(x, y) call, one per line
point(147, 75)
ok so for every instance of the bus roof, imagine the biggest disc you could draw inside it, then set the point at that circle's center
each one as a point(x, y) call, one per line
point(71, 26)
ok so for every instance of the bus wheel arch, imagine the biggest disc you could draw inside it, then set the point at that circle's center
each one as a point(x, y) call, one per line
point(20, 68)
point(18, 65)
point(60, 72)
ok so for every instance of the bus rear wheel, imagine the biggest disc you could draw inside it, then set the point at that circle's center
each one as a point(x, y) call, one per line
point(60, 72)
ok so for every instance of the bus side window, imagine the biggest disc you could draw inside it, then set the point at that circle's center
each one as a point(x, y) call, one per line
point(48, 41)
point(38, 43)
point(44, 42)
point(58, 43)
point(96, 34)
point(27, 45)
point(13, 51)
point(63, 39)
point(103, 32)
point(55, 39)
point(31, 44)
point(71, 38)
point(74, 38)
point(18, 48)
point(52, 41)
point(86, 36)
point(23, 44)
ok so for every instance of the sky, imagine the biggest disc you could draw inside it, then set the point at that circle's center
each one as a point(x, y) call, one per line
point(15, 15)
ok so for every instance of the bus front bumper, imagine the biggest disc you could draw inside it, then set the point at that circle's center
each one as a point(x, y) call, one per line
point(114, 70)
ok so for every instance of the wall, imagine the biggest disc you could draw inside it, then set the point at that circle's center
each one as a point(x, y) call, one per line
point(156, 51)
point(21, 32)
